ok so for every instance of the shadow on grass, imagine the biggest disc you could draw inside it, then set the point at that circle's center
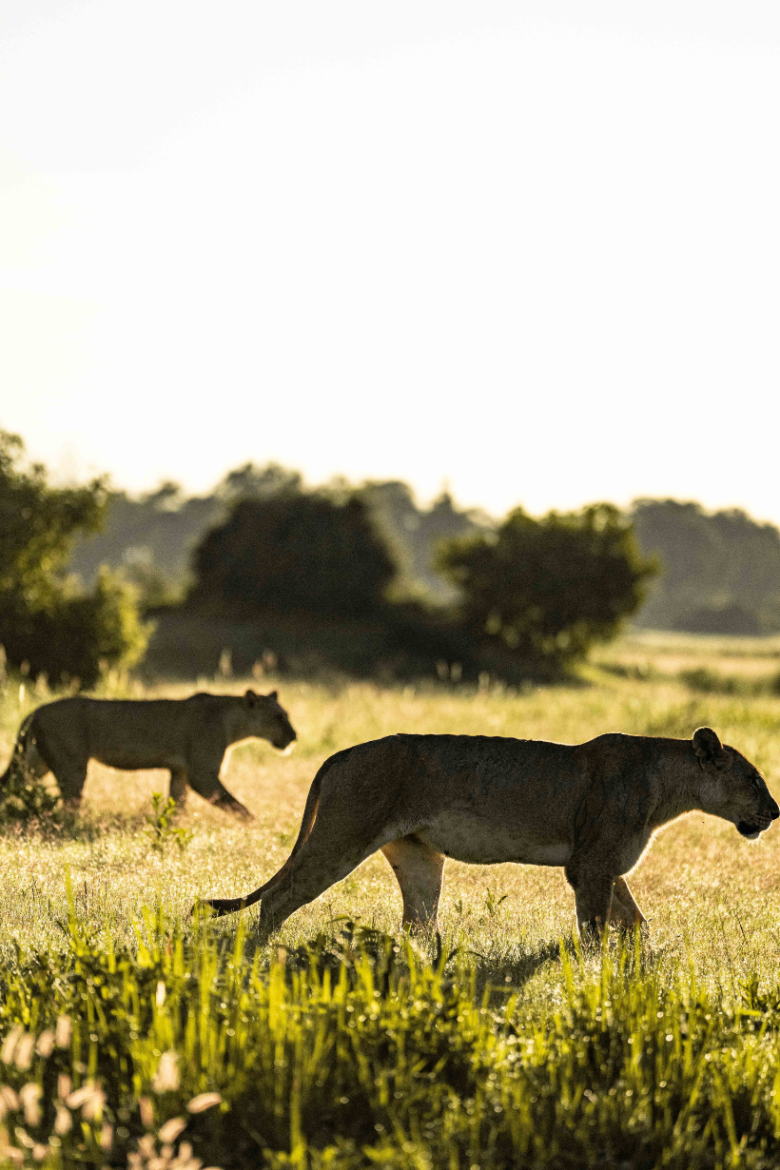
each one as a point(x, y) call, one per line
point(507, 974)
point(344, 952)
point(66, 824)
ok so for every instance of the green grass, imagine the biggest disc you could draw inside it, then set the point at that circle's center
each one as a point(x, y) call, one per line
point(350, 1046)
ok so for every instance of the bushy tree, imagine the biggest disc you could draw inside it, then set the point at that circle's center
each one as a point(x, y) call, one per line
point(547, 589)
point(295, 551)
point(44, 621)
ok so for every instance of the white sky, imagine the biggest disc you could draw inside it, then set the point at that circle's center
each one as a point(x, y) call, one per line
point(532, 249)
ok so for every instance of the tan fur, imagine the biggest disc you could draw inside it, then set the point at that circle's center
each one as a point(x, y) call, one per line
point(187, 736)
point(591, 808)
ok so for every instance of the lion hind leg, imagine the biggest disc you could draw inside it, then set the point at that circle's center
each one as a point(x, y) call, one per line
point(34, 765)
point(624, 911)
point(26, 760)
point(321, 862)
point(419, 870)
point(71, 778)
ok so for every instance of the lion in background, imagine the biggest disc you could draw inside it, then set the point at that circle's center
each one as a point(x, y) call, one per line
point(591, 807)
point(188, 736)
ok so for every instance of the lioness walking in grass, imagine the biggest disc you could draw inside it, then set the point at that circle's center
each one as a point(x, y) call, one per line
point(591, 808)
point(188, 736)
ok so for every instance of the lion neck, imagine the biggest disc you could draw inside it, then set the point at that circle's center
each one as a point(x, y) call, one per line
point(676, 796)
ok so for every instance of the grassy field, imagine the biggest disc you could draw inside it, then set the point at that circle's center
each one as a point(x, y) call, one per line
point(507, 1048)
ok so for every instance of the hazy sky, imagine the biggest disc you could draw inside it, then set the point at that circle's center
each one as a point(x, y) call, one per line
point(532, 249)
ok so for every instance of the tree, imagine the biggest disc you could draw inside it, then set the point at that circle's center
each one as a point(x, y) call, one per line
point(44, 621)
point(316, 552)
point(547, 589)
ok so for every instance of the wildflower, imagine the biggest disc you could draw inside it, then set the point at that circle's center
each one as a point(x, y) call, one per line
point(171, 1130)
point(29, 1096)
point(203, 1101)
point(92, 1109)
point(9, 1044)
point(23, 1053)
point(8, 1099)
point(166, 1079)
point(89, 1098)
point(45, 1043)
point(63, 1122)
point(63, 1032)
point(146, 1146)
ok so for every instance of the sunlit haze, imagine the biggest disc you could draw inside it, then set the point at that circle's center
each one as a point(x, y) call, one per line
point(528, 250)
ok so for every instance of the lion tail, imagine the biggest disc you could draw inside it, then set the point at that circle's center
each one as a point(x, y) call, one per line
point(230, 905)
point(20, 751)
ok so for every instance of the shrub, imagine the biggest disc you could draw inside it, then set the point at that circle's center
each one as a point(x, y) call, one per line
point(295, 551)
point(547, 589)
point(44, 621)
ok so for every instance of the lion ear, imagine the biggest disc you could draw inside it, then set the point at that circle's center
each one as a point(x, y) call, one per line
point(272, 695)
point(251, 697)
point(708, 748)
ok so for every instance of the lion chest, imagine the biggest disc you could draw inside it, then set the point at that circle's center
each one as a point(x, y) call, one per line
point(631, 849)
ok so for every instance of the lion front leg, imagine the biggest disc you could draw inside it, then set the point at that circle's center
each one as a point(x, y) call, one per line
point(178, 787)
point(208, 785)
point(593, 885)
point(624, 911)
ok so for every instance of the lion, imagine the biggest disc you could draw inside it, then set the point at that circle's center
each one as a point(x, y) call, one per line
point(592, 808)
point(188, 736)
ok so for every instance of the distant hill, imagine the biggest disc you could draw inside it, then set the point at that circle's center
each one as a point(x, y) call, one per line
point(413, 534)
point(721, 570)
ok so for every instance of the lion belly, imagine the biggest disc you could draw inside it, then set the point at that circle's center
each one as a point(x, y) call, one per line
point(468, 839)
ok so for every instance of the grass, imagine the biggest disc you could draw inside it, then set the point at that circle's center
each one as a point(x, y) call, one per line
point(349, 1046)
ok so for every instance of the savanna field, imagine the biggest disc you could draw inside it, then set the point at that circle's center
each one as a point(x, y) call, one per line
point(132, 1034)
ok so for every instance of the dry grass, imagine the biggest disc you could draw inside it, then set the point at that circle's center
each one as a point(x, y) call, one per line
point(710, 896)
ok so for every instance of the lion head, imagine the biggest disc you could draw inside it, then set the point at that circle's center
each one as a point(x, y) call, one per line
point(732, 787)
point(267, 718)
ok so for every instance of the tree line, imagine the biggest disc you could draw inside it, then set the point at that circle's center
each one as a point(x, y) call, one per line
point(368, 574)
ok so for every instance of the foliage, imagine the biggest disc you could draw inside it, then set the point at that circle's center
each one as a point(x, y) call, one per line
point(162, 827)
point(360, 1051)
point(102, 630)
point(44, 622)
point(24, 800)
point(294, 551)
point(548, 589)
point(37, 526)
point(80, 637)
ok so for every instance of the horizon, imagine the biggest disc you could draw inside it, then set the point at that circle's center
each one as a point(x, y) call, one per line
point(422, 503)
